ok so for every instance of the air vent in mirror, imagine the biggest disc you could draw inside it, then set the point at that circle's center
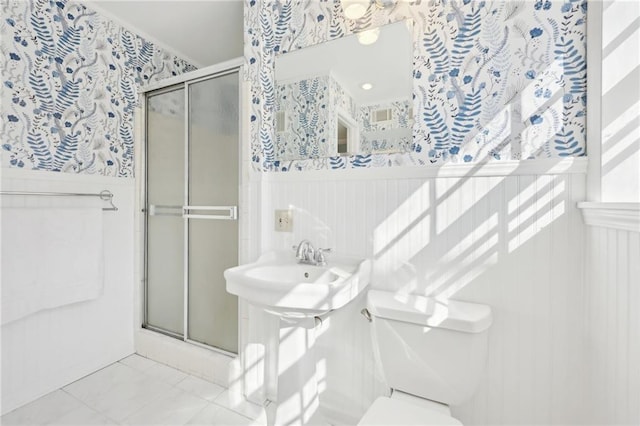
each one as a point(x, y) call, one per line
point(381, 115)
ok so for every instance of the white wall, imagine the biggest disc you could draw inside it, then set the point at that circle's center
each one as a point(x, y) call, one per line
point(507, 235)
point(612, 283)
point(613, 325)
point(52, 348)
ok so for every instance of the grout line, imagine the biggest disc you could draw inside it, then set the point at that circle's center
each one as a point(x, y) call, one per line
point(232, 410)
point(88, 406)
point(147, 376)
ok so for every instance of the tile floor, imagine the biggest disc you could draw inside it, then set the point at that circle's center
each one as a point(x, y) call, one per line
point(138, 391)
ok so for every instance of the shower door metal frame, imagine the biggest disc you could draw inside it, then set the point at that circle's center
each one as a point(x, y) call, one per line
point(177, 83)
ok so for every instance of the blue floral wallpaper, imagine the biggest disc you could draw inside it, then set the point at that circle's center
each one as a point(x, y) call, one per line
point(69, 87)
point(307, 112)
point(393, 134)
point(309, 108)
point(493, 80)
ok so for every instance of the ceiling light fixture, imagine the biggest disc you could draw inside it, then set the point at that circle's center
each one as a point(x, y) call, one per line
point(367, 86)
point(355, 9)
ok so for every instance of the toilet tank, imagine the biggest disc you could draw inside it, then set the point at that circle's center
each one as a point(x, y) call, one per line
point(427, 348)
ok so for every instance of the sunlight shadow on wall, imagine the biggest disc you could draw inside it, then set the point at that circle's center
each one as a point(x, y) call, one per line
point(526, 216)
point(621, 138)
point(620, 101)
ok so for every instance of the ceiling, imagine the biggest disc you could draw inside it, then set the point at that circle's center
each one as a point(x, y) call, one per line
point(204, 32)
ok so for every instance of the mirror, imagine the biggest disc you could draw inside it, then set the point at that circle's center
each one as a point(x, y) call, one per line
point(347, 96)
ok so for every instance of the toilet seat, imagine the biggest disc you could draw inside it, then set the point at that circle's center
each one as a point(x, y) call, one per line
point(390, 411)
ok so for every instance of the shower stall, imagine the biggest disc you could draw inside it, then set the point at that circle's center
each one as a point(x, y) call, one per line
point(191, 207)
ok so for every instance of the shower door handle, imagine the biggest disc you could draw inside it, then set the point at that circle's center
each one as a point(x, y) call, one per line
point(159, 210)
point(226, 212)
point(223, 212)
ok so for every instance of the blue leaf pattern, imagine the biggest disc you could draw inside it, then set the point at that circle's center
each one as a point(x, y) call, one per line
point(360, 160)
point(338, 162)
point(282, 23)
point(464, 41)
point(336, 28)
point(40, 151)
point(74, 88)
point(465, 119)
point(477, 66)
point(67, 96)
point(437, 52)
point(42, 92)
point(64, 153)
point(68, 42)
point(437, 126)
point(43, 34)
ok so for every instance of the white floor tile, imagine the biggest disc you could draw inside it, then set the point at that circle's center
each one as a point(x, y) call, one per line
point(236, 402)
point(165, 373)
point(83, 415)
point(94, 386)
point(154, 369)
point(43, 410)
point(139, 391)
point(127, 399)
point(200, 388)
point(175, 408)
point(138, 362)
point(118, 391)
point(214, 414)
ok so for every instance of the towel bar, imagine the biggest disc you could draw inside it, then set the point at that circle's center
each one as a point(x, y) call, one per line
point(105, 195)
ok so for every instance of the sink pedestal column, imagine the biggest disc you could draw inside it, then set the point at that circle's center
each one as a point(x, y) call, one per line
point(297, 402)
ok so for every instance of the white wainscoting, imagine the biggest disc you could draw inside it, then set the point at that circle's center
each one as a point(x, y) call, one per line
point(613, 325)
point(52, 348)
point(509, 236)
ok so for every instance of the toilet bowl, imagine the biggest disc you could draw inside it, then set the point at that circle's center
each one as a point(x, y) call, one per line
point(395, 410)
point(431, 353)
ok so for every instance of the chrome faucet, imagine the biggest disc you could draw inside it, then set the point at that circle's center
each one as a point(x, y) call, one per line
point(305, 253)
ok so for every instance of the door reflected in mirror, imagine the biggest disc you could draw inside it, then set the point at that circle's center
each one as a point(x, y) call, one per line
point(343, 97)
point(343, 133)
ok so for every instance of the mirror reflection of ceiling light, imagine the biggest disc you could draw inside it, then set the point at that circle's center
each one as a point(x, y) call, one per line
point(368, 36)
point(367, 86)
point(355, 9)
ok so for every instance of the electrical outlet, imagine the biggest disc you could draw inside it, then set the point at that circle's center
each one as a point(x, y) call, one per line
point(284, 220)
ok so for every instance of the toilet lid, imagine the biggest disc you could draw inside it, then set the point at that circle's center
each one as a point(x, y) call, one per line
point(387, 411)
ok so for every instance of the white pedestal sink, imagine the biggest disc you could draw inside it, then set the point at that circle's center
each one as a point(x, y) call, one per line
point(297, 293)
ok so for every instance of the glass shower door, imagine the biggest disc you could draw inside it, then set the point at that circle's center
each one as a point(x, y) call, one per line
point(192, 198)
point(165, 198)
point(213, 200)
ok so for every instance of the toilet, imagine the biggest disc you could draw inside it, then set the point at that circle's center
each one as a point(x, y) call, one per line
point(432, 356)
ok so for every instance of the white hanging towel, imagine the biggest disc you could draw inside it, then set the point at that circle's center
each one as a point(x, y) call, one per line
point(52, 253)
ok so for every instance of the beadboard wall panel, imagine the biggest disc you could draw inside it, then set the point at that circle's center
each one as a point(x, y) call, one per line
point(52, 348)
point(613, 325)
point(513, 242)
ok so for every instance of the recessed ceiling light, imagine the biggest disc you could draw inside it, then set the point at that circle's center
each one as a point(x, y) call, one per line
point(369, 36)
point(367, 86)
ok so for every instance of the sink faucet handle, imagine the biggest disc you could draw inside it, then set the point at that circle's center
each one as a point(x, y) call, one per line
point(304, 250)
point(319, 257)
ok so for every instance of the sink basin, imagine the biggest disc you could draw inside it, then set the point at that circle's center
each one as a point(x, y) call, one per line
point(281, 285)
point(297, 293)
